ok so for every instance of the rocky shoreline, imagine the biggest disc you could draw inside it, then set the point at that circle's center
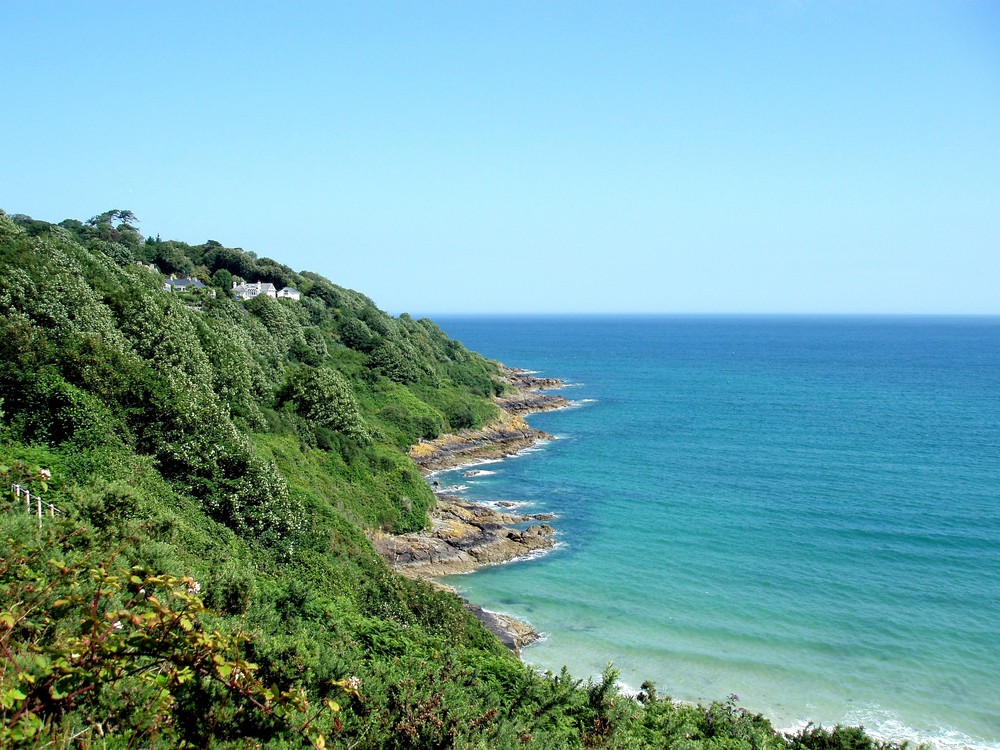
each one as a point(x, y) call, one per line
point(465, 536)
point(506, 436)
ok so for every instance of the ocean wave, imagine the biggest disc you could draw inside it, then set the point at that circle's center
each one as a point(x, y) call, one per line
point(484, 461)
point(542, 638)
point(535, 554)
point(533, 448)
point(464, 466)
point(507, 505)
point(885, 726)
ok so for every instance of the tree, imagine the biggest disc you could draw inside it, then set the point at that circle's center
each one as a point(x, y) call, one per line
point(123, 217)
point(274, 273)
point(235, 261)
point(391, 360)
point(356, 334)
point(223, 280)
point(324, 397)
point(117, 225)
point(172, 259)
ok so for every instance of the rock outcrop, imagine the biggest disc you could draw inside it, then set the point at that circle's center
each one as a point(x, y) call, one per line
point(505, 437)
point(527, 398)
point(513, 633)
point(463, 537)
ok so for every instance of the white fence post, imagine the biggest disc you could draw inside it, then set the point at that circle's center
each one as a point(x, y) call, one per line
point(17, 491)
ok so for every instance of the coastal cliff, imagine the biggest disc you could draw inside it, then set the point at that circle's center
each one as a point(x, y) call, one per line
point(464, 536)
point(506, 436)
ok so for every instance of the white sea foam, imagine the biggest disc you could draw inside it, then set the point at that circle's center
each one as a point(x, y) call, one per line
point(512, 616)
point(533, 555)
point(483, 461)
point(542, 638)
point(507, 505)
point(533, 448)
point(624, 688)
point(479, 473)
point(453, 488)
point(796, 727)
point(468, 465)
point(885, 726)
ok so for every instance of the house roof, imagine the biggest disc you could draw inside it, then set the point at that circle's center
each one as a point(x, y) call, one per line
point(184, 283)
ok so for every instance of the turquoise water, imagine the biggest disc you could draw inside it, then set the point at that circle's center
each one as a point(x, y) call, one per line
point(801, 511)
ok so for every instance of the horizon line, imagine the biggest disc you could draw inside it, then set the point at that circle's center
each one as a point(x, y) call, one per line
point(647, 314)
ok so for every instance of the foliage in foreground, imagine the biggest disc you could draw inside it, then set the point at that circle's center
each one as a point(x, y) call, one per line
point(208, 581)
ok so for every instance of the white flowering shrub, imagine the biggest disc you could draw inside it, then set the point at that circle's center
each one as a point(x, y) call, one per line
point(280, 322)
point(237, 378)
point(324, 397)
point(49, 288)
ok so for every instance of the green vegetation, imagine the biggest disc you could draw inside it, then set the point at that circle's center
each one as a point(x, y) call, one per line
point(208, 581)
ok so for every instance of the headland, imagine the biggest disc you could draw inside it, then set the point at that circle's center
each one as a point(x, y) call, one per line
point(464, 536)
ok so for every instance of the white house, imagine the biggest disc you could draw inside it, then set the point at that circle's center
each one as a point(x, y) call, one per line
point(184, 285)
point(249, 291)
point(290, 293)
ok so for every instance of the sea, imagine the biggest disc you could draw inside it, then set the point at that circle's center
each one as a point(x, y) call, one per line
point(803, 512)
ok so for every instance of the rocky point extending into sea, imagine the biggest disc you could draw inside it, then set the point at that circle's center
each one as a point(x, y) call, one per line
point(464, 536)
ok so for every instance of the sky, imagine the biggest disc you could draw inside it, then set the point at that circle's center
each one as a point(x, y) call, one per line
point(694, 156)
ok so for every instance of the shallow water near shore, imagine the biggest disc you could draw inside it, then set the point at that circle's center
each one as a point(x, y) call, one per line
point(801, 511)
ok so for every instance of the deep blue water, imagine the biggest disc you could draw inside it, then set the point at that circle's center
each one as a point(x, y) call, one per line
point(801, 511)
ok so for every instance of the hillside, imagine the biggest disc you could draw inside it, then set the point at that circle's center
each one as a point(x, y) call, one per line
point(215, 468)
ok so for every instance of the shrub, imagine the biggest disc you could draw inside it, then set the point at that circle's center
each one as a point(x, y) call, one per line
point(323, 396)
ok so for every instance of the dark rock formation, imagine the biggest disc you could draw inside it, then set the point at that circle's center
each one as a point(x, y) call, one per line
point(526, 399)
point(513, 633)
point(496, 441)
point(462, 538)
point(505, 437)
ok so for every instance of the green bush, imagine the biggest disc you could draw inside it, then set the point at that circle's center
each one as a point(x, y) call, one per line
point(324, 397)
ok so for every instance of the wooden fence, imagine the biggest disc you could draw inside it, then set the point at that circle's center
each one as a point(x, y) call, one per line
point(33, 502)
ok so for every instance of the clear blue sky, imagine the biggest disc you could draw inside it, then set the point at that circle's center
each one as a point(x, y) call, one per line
point(744, 156)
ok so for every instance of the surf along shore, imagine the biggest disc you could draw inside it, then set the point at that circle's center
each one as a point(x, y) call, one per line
point(465, 536)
